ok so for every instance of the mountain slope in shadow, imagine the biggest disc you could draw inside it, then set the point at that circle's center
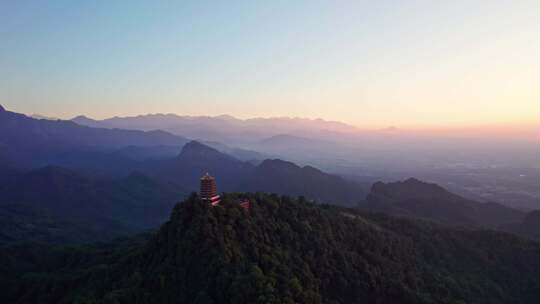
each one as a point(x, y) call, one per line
point(30, 142)
point(415, 198)
point(114, 206)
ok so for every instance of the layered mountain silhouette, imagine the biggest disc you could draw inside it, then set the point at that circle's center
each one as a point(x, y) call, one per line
point(275, 176)
point(197, 159)
point(35, 142)
point(430, 201)
point(219, 128)
point(238, 153)
point(28, 143)
point(278, 176)
point(282, 251)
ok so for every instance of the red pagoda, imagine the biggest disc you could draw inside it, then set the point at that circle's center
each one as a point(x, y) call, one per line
point(209, 194)
point(209, 190)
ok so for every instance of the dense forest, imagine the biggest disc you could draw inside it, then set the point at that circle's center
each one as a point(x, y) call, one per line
point(282, 250)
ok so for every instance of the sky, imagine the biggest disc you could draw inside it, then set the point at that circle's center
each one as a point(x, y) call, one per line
point(367, 63)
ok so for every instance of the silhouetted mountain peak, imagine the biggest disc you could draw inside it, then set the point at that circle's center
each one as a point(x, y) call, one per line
point(84, 121)
point(412, 180)
point(413, 195)
point(410, 188)
point(80, 117)
point(195, 149)
point(312, 169)
point(281, 165)
point(284, 177)
point(194, 146)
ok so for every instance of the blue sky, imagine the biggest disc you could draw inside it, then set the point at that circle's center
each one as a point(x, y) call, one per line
point(373, 63)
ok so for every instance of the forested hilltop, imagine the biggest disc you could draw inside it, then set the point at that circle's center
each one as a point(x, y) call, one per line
point(282, 250)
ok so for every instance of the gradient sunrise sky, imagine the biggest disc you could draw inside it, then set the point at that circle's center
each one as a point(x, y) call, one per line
point(368, 63)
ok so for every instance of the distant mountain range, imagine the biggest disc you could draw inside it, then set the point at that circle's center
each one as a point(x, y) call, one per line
point(384, 153)
point(38, 116)
point(400, 242)
point(30, 142)
point(296, 139)
point(80, 159)
point(54, 204)
point(62, 170)
point(223, 128)
point(35, 143)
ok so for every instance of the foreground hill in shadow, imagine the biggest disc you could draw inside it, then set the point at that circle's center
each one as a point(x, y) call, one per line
point(285, 251)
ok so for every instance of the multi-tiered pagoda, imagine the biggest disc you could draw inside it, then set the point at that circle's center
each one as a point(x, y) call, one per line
point(209, 190)
point(209, 194)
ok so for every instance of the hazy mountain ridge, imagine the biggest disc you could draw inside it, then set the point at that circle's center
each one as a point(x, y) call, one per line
point(109, 206)
point(278, 176)
point(238, 153)
point(457, 157)
point(40, 142)
point(222, 128)
point(31, 142)
point(39, 116)
point(162, 121)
